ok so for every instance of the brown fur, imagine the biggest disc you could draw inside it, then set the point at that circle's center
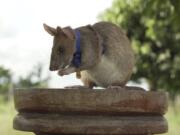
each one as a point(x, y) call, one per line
point(114, 66)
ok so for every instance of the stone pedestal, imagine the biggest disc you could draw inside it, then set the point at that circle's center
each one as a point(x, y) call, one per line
point(92, 112)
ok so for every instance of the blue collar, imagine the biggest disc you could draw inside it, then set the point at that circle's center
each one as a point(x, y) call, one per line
point(76, 61)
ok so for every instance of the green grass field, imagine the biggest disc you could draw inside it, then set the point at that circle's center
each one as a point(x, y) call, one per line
point(7, 112)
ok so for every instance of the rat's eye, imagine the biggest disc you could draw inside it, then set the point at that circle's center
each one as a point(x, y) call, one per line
point(61, 50)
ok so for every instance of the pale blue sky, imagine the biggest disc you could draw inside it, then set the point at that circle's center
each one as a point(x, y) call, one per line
point(23, 41)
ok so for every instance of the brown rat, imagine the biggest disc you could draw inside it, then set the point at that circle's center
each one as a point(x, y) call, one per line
point(105, 57)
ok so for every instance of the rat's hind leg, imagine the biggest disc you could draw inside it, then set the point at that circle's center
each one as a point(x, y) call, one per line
point(87, 85)
point(86, 81)
point(76, 87)
point(116, 86)
point(122, 86)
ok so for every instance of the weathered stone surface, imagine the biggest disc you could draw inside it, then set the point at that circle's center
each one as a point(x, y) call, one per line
point(91, 112)
point(88, 101)
point(76, 134)
point(90, 124)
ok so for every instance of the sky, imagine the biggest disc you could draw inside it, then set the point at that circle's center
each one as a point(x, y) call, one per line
point(23, 41)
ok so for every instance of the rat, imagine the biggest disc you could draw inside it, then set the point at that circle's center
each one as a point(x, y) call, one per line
point(100, 54)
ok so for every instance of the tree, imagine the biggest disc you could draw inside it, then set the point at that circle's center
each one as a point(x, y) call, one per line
point(154, 30)
point(5, 80)
point(33, 79)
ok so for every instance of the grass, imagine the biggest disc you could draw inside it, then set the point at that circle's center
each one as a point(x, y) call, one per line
point(7, 112)
point(173, 117)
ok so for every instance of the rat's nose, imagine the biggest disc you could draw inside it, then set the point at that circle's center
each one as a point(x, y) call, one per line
point(53, 66)
point(51, 69)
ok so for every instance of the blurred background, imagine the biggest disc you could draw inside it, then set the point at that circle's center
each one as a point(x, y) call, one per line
point(153, 26)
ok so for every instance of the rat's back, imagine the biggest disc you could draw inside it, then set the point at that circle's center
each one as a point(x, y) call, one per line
point(117, 61)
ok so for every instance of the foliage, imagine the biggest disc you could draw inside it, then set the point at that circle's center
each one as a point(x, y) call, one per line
point(33, 79)
point(154, 30)
point(7, 113)
point(5, 80)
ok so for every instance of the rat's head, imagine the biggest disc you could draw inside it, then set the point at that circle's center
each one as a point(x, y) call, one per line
point(63, 47)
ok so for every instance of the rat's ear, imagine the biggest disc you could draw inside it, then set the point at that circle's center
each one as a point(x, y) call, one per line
point(50, 30)
point(59, 30)
point(69, 32)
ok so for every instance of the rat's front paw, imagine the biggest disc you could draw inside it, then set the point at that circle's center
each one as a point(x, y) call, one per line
point(62, 72)
point(66, 71)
